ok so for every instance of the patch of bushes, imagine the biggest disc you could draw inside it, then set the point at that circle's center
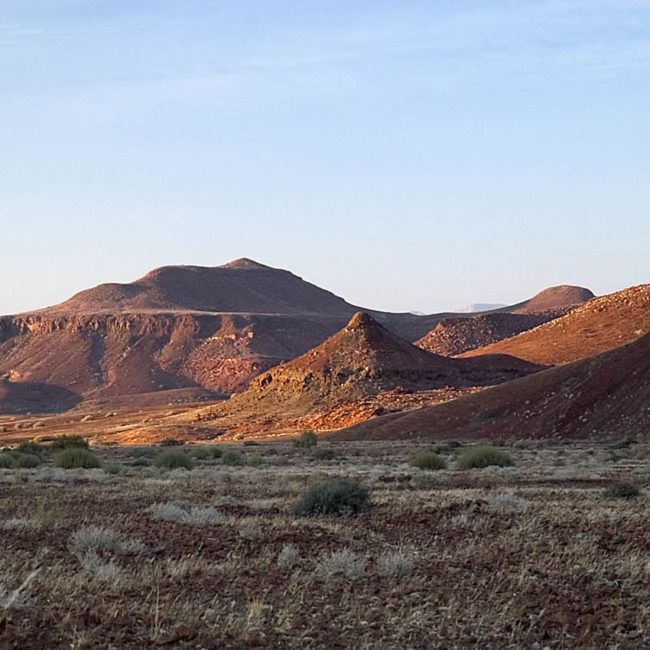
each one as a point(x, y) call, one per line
point(181, 511)
point(306, 440)
point(112, 468)
point(428, 460)
point(66, 441)
point(27, 461)
point(251, 443)
point(338, 497)
point(30, 448)
point(201, 453)
point(173, 459)
point(256, 461)
point(232, 457)
point(76, 458)
point(483, 456)
point(7, 461)
point(341, 564)
point(621, 491)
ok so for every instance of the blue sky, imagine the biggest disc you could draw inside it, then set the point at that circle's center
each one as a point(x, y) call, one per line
point(406, 155)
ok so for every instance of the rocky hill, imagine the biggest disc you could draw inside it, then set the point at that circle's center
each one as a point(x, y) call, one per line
point(452, 336)
point(604, 396)
point(600, 324)
point(362, 359)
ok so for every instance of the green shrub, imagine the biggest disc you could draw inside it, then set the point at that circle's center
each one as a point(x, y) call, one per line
point(76, 457)
point(173, 459)
point(428, 460)
point(141, 461)
point(200, 453)
point(232, 457)
point(337, 497)
point(66, 441)
point(483, 456)
point(251, 443)
point(112, 468)
point(256, 461)
point(306, 439)
point(30, 448)
point(216, 451)
point(27, 461)
point(7, 461)
point(621, 491)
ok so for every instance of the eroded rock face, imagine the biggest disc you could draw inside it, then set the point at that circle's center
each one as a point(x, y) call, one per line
point(135, 353)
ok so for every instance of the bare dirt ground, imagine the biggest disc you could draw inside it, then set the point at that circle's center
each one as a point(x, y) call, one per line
point(528, 556)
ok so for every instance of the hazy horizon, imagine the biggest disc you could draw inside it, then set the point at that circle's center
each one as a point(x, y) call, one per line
point(411, 156)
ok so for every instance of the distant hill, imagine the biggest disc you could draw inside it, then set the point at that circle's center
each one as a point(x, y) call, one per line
point(453, 336)
point(600, 324)
point(607, 395)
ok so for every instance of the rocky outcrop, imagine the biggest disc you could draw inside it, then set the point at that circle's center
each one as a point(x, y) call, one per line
point(452, 336)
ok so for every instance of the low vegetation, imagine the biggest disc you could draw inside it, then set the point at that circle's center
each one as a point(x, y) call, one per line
point(428, 460)
point(306, 440)
point(621, 490)
point(483, 456)
point(76, 458)
point(338, 497)
point(173, 459)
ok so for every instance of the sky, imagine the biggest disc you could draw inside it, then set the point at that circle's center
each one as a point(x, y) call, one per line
point(405, 155)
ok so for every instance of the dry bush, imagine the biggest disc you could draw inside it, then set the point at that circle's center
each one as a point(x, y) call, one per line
point(344, 564)
point(185, 512)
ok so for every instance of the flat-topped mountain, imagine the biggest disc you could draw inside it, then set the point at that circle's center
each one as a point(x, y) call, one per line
point(600, 324)
point(607, 395)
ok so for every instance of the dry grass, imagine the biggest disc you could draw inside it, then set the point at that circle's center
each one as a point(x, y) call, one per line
point(526, 556)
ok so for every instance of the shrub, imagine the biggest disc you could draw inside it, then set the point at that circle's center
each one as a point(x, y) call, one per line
point(337, 497)
point(508, 501)
point(343, 563)
point(30, 448)
point(428, 460)
point(483, 456)
point(256, 461)
point(289, 556)
point(112, 468)
point(232, 457)
point(96, 539)
point(395, 563)
point(27, 461)
point(173, 459)
point(306, 440)
point(76, 457)
point(200, 453)
point(185, 512)
point(621, 491)
point(7, 461)
point(216, 451)
point(251, 443)
point(66, 441)
point(140, 462)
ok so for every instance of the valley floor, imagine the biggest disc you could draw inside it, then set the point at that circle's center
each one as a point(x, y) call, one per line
point(528, 556)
